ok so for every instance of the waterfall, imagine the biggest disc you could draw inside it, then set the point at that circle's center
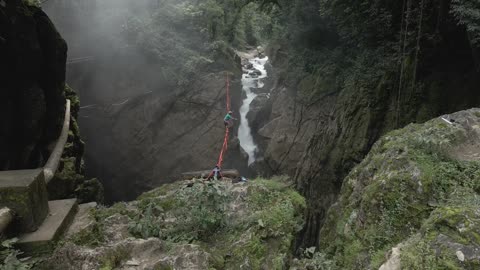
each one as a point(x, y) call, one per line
point(251, 79)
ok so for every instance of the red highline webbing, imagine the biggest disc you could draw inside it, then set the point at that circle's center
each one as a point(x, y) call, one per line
point(227, 131)
point(225, 139)
point(228, 93)
point(224, 148)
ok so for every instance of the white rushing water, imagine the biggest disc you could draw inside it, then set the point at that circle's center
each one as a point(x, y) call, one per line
point(249, 82)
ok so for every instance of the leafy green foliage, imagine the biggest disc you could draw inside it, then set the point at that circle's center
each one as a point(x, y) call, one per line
point(251, 224)
point(199, 212)
point(311, 259)
point(239, 23)
point(427, 260)
point(92, 236)
point(467, 12)
point(9, 257)
point(35, 3)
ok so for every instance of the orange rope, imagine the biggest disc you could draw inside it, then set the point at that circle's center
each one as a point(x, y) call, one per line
point(227, 131)
point(228, 93)
point(224, 148)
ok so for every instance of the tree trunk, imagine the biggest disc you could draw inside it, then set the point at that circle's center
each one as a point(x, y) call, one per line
point(475, 54)
point(419, 37)
point(402, 59)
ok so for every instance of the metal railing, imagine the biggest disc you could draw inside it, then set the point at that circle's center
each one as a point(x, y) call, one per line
point(54, 160)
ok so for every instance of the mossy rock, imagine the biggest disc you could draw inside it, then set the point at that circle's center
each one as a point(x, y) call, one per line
point(222, 224)
point(414, 184)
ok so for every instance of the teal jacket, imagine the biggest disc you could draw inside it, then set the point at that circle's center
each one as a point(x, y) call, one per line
point(228, 117)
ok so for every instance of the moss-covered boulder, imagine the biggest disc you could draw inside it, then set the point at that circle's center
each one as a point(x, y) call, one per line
point(417, 191)
point(190, 225)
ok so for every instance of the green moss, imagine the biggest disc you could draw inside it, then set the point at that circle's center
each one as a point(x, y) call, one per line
point(251, 250)
point(217, 261)
point(378, 257)
point(260, 236)
point(410, 258)
point(102, 213)
point(90, 190)
point(90, 237)
point(74, 100)
point(350, 254)
point(160, 191)
point(113, 258)
point(408, 183)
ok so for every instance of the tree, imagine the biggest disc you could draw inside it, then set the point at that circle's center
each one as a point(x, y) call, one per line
point(467, 13)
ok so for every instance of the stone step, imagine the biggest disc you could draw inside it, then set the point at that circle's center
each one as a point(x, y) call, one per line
point(82, 220)
point(57, 222)
point(25, 192)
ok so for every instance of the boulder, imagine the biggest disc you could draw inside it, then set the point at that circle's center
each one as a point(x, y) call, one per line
point(259, 112)
point(255, 73)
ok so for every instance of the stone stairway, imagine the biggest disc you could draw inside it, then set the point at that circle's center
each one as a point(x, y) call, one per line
point(38, 223)
point(57, 222)
point(26, 211)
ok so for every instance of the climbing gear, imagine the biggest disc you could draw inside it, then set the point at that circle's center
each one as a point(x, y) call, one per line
point(228, 123)
point(215, 173)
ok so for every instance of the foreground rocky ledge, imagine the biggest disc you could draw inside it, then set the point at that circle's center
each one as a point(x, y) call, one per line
point(188, 225)
point(413, 202)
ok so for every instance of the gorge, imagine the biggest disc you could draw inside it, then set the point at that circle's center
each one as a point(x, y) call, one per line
point(358, 130)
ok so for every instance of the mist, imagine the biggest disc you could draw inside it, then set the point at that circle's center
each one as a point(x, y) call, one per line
point(145, 73)
point(123, 51)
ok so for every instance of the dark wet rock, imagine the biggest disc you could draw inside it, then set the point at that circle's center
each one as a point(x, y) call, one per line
point(282, 132)
point(404, 172)
point(166, 136)
point(258, 114)
point(261, 89)
point(255, 73)
point(32, 102)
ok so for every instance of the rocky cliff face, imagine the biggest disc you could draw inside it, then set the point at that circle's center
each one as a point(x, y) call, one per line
point(156, 137)
point(327, 111)
point(33, 76)
point(416, 192)
point(33, 99)
point(412, 203)
point(358, 118)
point(157, 86)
